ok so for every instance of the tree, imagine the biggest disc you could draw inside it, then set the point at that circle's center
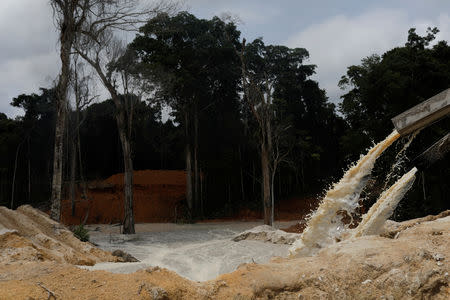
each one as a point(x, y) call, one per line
point(83, 97)
point(97, 44)
point(32, 153)
point(264, 70)
point(194, 65)
point(69, 16)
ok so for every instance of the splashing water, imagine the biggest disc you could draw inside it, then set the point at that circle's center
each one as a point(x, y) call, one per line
point(325, 225)
point(400, 161)
point(373, 221)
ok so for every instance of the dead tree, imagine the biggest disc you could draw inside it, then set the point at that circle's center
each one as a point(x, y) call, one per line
point(122, 119)
point(69, 15)
point(81, 85)
point(258, 87)
point(98, 45)
point(260, 103)
point(280, 155)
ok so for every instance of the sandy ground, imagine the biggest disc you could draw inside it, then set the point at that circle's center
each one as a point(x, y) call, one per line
point(30, 235)
point(410, 261)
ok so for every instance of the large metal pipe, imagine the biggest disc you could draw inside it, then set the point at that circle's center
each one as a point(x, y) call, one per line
point(423, 114)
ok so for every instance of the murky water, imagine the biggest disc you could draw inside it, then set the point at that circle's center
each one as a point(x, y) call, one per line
point(196, 251)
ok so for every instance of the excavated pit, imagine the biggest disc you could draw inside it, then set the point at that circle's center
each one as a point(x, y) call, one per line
point(411, 265)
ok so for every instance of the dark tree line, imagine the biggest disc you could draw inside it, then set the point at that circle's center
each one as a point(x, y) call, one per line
point(232, 103)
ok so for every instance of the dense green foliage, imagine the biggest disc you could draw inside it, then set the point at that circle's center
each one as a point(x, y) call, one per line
point(196, 70)
point(26, 147)
point(193, 66)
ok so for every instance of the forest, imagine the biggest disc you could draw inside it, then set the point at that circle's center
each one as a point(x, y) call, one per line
point(245, 119)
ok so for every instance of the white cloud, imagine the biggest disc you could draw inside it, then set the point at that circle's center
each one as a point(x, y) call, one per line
point(26, 26)
point(28, 39)
point(28, 57)
point(342, 41)
point(248, 15)
point(26, 75)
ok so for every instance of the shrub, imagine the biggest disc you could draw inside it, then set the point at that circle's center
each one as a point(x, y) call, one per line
point(81, 233)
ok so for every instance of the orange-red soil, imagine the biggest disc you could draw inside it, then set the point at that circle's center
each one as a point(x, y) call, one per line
point(157, 195)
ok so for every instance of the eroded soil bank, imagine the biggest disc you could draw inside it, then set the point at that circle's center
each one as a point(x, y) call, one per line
point(410, 261)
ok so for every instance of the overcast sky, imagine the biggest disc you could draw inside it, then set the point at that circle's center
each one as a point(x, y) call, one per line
point(337, 34)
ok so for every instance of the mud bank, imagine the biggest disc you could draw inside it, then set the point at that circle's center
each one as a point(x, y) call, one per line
point(29, 235)
point(409, 261)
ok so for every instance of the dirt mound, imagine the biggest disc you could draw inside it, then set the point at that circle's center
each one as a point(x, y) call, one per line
point(412, 265)
point(27, 234)
point(158, 195)
point(267, 233)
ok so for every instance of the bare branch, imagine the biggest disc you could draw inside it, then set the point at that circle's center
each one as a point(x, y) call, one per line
point(51, 294)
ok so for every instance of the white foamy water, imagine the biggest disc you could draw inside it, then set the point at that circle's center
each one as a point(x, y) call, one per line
point(399, 161)
point(373, 221)
point(325, 225)
point(195, 251)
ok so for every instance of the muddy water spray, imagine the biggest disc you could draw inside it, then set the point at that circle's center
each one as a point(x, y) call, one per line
point(400, 161)
point(373, 221)
point(325, 225)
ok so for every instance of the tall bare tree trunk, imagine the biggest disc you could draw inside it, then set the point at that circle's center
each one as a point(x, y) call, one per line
point(253, 177)
point(80, 165)
point(189, 198)
point(128, 223)
point(73, 170)
point(124, 130)
point(242, 176)
point(196, 173)
point(29, 171)
point(58, 162)
point(189, 179)
point(272, 198)
point(202, 208)
point(66, 40)
point(266, 184)
point(14, 176)
point(97, 26)
point(262, 112)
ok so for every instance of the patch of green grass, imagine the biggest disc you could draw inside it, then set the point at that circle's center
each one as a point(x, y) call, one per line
point(81, 233)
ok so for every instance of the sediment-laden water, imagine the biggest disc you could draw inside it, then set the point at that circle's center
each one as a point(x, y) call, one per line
point(325, 225)
point(196, 251)
point(373, 221)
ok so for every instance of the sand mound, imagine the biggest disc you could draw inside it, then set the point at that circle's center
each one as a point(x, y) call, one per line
point(267, 233)
point(412, 264)
point(158, 197)
point(27, 234)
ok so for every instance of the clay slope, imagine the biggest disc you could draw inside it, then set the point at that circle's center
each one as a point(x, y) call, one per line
point(27, 234)
point(413, 264)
